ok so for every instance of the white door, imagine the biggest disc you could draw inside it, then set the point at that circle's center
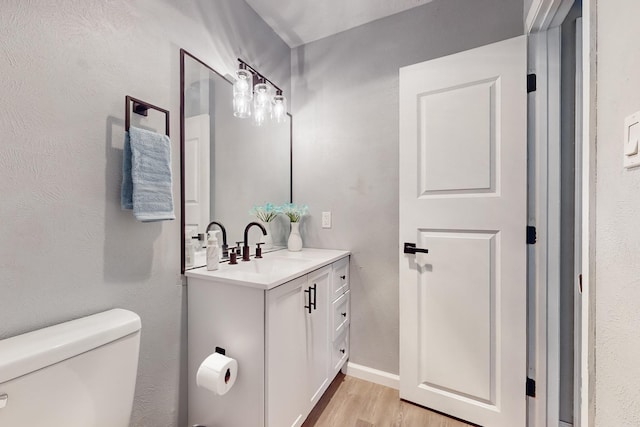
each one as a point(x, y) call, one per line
point(463, 195)
point(196, 173)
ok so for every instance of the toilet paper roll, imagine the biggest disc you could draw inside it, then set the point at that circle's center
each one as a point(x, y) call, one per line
point(217, 373)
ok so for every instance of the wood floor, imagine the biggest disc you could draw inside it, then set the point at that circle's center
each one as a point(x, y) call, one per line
point(351, 402)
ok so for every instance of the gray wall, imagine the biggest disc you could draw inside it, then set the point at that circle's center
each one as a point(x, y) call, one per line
point(617, 219)
point(345, 93)
point(66, 248)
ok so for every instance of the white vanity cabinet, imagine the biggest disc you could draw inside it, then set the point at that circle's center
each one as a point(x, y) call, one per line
point(289, 333)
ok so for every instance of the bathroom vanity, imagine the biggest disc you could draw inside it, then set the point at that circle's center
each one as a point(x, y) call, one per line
point(285, 319)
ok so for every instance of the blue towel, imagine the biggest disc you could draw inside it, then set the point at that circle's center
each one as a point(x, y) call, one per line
point(126, 195)
point(150, 168)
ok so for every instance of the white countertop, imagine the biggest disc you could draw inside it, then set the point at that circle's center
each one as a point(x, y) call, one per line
point(274, 269)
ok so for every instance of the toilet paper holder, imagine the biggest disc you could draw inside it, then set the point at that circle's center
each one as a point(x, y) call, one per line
point(227, 375)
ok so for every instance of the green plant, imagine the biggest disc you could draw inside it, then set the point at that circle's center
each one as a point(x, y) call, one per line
point(266, 212)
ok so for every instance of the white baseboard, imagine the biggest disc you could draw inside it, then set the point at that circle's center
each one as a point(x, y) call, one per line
point(563, 424)
point(373, 375)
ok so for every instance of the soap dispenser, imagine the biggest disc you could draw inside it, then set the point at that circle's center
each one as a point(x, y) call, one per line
point(213, 250)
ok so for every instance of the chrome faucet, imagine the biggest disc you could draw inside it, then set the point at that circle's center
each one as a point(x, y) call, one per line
point(245, 248)
point(225, 247)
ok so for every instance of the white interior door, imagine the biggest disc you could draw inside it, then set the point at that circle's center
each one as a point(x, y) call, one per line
point(197, 173)
point(463, 187)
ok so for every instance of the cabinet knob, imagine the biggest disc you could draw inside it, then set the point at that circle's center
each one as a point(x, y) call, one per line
point(343, 277)
point(342, 350)
point(344, 314)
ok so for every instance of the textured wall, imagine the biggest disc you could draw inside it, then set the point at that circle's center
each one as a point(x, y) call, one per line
point(346, 145)
point(617, 215)
point(66, 248)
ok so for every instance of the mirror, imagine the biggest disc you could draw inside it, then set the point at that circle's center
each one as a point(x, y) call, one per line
point(228, 165)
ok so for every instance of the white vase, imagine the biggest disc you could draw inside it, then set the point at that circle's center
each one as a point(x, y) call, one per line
point(294, 244)
point(268, 238)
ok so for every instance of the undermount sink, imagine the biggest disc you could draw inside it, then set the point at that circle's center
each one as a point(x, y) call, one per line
point(268, 264)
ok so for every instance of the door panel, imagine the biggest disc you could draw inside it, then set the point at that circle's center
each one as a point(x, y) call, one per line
point(286, 355)
point(461, 288)
point(318, 341)
point(196, 175)
point(463, 197)
point(470, 146)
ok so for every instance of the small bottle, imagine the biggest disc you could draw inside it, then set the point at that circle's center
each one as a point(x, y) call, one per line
point(213, 251)
point(189, 251)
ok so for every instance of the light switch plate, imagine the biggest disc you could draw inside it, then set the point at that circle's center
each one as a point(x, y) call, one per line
point(631, 138)
point(326, 219)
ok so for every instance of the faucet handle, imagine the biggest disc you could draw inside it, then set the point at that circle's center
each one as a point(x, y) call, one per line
point(258, 250)
point(233, 256)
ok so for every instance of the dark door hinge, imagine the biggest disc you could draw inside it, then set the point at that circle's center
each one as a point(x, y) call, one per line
point(531, 83)
point(531, 387)
point(532, 235)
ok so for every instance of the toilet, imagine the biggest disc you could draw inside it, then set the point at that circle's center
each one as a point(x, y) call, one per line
point(80, 373)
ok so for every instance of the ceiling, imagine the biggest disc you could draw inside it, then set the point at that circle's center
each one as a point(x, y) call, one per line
point(302, 21)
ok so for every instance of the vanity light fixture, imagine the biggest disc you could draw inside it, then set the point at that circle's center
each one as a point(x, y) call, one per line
point(253, 95)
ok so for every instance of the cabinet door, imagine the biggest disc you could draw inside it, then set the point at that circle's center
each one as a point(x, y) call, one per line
point(286, 354)
point(317, 323)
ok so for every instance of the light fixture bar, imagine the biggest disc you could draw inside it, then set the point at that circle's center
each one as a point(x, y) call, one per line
point(259, 74)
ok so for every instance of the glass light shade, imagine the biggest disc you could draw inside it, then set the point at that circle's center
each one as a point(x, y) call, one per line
point(242, 93)
point(261, 103)
point(279, 110)
point(259, 116)
point(262, 94)
point(242, 107)
point(242, 85)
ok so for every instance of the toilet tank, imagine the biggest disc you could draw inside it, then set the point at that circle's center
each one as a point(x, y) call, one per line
point(77, 373)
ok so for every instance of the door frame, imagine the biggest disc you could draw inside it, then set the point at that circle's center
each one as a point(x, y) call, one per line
point(541, 24)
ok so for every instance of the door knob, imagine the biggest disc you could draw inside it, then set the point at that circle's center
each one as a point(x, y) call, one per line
point(410, 248)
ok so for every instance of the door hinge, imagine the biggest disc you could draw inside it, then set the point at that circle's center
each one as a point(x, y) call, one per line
point(531, 387)
point(531, 83)
point(532, 235)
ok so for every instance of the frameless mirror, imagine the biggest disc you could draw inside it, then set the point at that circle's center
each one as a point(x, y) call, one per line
point(228, 165)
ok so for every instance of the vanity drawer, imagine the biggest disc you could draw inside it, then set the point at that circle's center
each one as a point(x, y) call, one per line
point(340, 352)
point(341, 314)
point(340, 279)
